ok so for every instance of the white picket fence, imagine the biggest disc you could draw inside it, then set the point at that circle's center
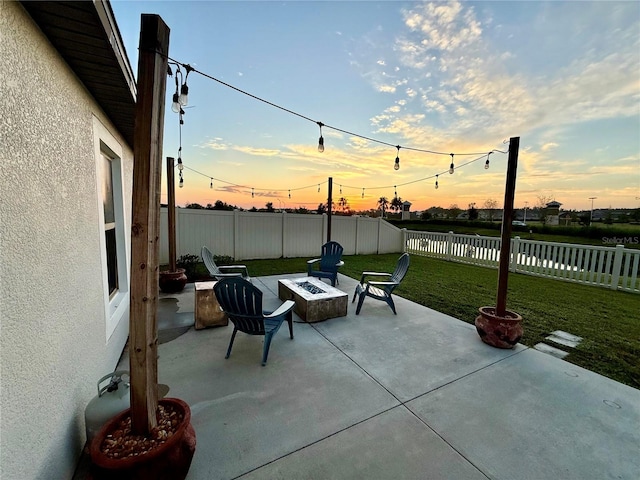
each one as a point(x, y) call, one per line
point(616, 267)
point(251, 235)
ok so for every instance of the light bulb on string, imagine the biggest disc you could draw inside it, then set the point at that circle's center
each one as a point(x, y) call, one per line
point(211, 184)
point(251, 192)
point(395, 192)
point(362, 192)
point(396, 166)
point(183, 99)
point(321, 139)
point(318, 188)
point(180, 165)
point(486, 164)
point(181, 184)
point(175, 105)
point(340, 189)
point(451, 167)
point(437, 181)
point(289, 193)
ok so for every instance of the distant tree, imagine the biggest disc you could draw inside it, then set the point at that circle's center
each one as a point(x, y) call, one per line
point(253, 209)
point(269, 207)
point(473, 212)
point(343, 203)
point(322, 208)
point(220, 205)
point(425, 215)
point(490, 206)
point(396, 204)
point(195, 206)
point(635, 215)
point(541, 206)
point(383, 204)
point(301, 210)
point(454, 211)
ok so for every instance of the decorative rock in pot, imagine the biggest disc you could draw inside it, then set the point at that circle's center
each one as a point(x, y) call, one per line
point(164, 454)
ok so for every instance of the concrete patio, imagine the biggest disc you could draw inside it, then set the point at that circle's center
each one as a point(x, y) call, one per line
point(378, 396)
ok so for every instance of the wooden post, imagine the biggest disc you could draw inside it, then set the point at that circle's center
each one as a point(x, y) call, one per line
point(505, 247)
point(145, 224)
point(171, 214)
point(329, 202)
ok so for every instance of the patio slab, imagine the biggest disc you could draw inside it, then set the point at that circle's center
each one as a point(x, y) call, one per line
point(394, 444)
point(380, 396)
point(533, 416)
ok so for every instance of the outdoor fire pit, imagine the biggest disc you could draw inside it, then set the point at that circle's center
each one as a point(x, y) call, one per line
point(315, 300)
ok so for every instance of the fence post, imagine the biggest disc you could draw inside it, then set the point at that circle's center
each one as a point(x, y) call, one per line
point(449, 245)
point(617, 266)
point(379, 228)
point(404, 240)
point(515, 251)
point(325, 223)
point(283, 220)
point(357, 220)
point(236, 234)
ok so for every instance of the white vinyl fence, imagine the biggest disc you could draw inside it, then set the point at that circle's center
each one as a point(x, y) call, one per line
point(612, 267)
point(251, 235)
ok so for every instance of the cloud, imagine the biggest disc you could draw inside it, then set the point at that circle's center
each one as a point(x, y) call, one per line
point(381, 62)
point(262, 152)
point(548, 146)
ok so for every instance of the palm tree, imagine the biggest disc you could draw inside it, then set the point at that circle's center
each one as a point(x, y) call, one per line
point(396, 204)
point(383, 203)
point(343, 203)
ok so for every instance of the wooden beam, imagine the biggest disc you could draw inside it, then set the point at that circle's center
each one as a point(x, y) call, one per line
point(505, 246)
point(145, 227)
point(171, 214)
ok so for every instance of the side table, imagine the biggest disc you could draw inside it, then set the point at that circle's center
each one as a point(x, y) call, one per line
point(208, 312)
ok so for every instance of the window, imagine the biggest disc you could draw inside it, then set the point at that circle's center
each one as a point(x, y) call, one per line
point(109, 224)
point(111, 178)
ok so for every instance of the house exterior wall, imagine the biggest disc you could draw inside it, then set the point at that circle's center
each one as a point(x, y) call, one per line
point(54, 340)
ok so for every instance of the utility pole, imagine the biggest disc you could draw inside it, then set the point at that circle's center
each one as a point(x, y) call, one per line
point(526, 204)
point(591, 218)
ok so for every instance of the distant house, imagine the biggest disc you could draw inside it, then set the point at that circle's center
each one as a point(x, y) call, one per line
point(68, 109)
point(553, 213)
point(406, 210)
point(565, 218)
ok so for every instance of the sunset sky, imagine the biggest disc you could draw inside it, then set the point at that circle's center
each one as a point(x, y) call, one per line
point(450, 77)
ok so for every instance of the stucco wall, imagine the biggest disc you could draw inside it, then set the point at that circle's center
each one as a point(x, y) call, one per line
point(53, 342)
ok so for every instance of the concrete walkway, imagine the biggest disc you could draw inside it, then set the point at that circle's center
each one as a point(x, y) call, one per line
point(379, 396)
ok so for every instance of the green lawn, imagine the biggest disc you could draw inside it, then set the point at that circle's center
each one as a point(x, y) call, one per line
point(608, 321)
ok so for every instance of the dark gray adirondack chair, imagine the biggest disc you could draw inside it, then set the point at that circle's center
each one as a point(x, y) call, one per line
point(330, 261)
point(381, 290)
point(242, 302)
point(223, 271)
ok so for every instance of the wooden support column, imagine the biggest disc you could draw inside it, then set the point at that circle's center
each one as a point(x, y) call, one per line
point(329, 202)
point(505, 246)
point(171, 214)
point(145, 225)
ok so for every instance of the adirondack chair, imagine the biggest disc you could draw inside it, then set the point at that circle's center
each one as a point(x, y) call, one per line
point(223, 271)
point(381, 290)
point(242, 302)
point(329, 262)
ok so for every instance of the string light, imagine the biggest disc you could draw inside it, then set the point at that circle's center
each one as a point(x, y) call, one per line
point(395, 192)
point(181, 99)
point(189, 69)
point(320, 140)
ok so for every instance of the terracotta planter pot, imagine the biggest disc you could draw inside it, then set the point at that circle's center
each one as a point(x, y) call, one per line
point(500, 332)
point(169, 461)
point(172, 282)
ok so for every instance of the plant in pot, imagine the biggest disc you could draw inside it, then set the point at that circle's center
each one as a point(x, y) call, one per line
point(189, 263)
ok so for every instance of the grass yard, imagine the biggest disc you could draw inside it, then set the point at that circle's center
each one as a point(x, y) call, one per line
point(608, 321)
